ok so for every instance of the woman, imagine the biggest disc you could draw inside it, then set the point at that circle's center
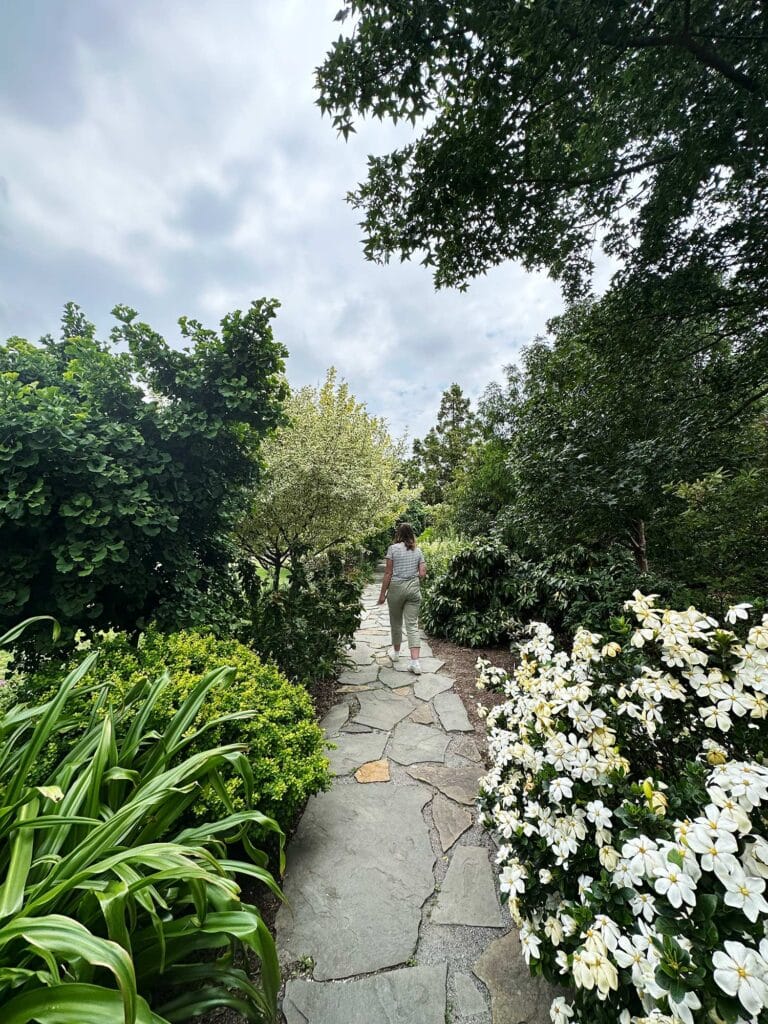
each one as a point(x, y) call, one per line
point(401, 588)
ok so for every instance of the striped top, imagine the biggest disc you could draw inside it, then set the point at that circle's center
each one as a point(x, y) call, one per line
point(405, 563)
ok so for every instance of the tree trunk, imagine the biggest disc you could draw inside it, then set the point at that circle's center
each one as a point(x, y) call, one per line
point(276, 577)
point(639, 545)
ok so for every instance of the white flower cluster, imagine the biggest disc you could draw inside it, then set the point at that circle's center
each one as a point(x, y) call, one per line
point(561, 795)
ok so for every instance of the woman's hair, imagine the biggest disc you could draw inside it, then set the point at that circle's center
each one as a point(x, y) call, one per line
point(404, 535)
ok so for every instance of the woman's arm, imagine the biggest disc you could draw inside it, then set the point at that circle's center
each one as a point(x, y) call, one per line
point(386, 581)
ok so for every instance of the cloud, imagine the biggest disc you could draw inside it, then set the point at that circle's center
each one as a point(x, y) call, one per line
point(172, 157)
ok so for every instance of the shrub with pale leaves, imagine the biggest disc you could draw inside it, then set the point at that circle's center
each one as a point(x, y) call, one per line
point(628, 792)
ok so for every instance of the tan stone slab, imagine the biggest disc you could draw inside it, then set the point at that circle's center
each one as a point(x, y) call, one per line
point(423, 715)
point(373, 771)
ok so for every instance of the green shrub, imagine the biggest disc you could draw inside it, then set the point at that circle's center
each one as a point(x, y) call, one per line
point(257, 707)
point(305, 626)
point(488, 592)
point(439, 552)
point(107, 905)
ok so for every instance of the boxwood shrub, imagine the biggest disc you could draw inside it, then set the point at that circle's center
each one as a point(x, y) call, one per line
point(285, 746)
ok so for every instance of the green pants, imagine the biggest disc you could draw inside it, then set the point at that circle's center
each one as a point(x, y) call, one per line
point(403, 600)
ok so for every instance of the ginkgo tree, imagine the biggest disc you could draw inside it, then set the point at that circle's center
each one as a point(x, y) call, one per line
point(331, 477)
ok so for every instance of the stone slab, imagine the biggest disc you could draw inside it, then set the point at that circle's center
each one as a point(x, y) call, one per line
point(360, 866)
point(359, 676)
point(450, 710)
point(335, 719)
point(393, 678)
point(468, 1001)
point(427, 664)
point(451, 820)
point(431, 683)
point(413, 995)
point(515, 995)
point(383, 710)
point(354, 749)
point(423, 715)
point(355, 728)
point(413, 743)
point(361, 654)
point(468, 893)
point(466, 747)
point(459, 784)
point(373, 771)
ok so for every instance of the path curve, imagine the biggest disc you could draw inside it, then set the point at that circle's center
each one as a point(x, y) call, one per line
point(392, 912)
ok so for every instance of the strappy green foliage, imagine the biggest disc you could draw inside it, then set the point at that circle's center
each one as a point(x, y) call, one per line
point(103, 917)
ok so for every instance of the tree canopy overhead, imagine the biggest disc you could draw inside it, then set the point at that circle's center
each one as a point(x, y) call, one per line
point(542, 125)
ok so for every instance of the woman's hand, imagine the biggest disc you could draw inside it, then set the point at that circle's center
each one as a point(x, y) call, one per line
point(382, 598)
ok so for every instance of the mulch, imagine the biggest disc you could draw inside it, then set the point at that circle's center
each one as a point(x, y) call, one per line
point(460, 663)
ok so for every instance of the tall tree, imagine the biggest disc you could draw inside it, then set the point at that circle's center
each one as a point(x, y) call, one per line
point(446, 446)
point(123, 473)
point(540, 125)
point(597, 437)
point(330, 478)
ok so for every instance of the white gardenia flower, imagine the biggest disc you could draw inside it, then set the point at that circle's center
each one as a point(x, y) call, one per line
point(585, 886)
point(715, 826)
point(643, 905)
point(736, 612)
point(560, 789)
point(714, 718)
point(560, 1012)
point(553, 930)
point(739, 971)
point(599, 814)
point(682, 1007)
point(642, 855)
point(676, 885)
point(745, 893)
point(530, 942)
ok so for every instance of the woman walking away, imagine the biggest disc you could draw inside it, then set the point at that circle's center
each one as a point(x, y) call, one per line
point(401, 587)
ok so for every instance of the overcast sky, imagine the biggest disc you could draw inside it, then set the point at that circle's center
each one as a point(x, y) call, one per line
point(168, 154)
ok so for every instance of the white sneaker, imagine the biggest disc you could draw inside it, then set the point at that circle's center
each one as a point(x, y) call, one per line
point(415, 667)
point(394, 655)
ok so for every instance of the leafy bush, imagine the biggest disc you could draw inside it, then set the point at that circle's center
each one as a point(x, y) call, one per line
point(255, 706)
point(439, 552)
point(122, 473)
point(628, 792)
point(107, 906)
point(488, 592)
point(305, 626)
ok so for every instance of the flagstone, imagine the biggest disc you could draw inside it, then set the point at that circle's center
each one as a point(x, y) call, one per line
point(373, 771)
point(430, 684)
point(383, 710)
point(468, 892)
point(360, 866)
point(335, 719)
point(354, 749)
point(459, 784)
point(427, 664)
point(423, 715)
point(411, 995)
point(359, 676)
point(450, 710)
point(468, 1001)
point(451, 820)
point(515, 995)
point(465, 746)
point(412, 743)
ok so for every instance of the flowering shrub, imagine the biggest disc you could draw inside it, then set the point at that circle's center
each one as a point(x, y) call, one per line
point(628, 793)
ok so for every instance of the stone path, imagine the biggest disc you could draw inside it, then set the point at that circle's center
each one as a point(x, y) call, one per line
point(392, 912)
